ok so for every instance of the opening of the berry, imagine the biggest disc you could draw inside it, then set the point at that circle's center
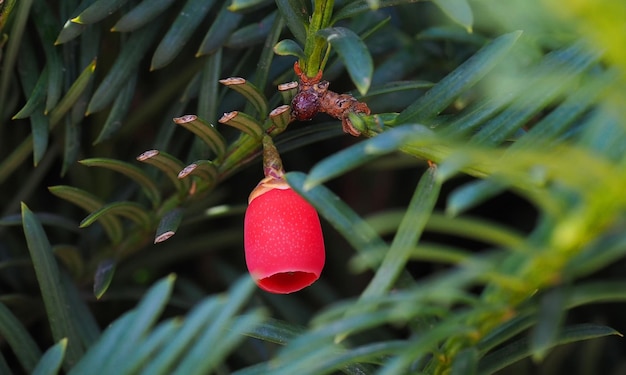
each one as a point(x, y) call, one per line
point(287, 282)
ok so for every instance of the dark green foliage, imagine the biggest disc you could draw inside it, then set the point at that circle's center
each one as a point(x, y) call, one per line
point(476, 226)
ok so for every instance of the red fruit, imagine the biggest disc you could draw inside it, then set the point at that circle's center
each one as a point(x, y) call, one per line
point(283, 240)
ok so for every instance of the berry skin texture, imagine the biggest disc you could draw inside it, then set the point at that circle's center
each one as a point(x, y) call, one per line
point(283, 241)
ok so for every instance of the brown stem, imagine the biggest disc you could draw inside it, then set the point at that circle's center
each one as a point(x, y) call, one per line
point(272, 164)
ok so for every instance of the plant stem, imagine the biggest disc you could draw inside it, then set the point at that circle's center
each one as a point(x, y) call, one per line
point(272, 164)
point(315, 47)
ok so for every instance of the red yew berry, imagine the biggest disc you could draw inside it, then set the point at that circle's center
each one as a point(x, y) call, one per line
point(283, 241)
point(282, 235)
